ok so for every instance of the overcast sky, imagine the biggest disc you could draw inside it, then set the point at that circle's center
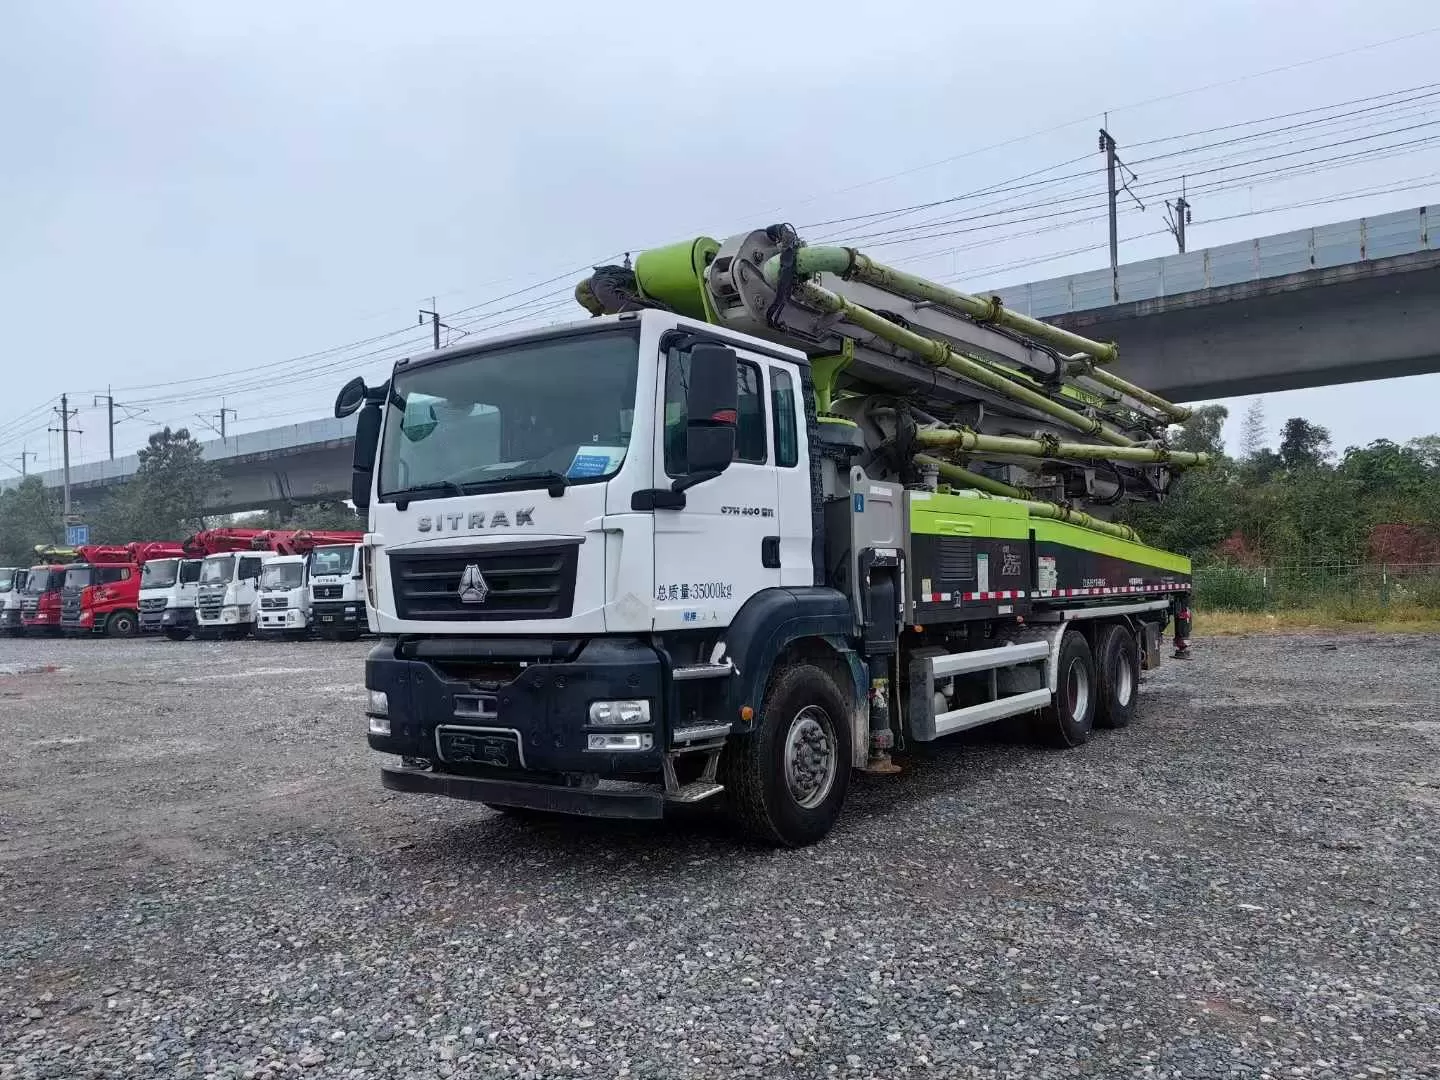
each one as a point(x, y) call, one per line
point(195, 191)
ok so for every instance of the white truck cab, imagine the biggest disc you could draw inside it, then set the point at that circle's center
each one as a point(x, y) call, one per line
point(12, 583)
point(285, 597)
point(337, 591)
point(167, 596)
point(228, 594)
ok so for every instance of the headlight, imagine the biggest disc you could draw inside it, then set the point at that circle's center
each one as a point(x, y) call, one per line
point(367, 563)
point(619, 713)
point(627, 740)
point(379, 725)
point(378, 705)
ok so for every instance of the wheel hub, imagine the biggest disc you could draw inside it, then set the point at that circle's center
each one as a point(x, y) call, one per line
point(810, 756)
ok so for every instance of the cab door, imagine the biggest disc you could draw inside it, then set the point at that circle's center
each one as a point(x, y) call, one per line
point(723, 545)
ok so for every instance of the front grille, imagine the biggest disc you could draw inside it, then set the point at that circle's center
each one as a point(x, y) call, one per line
point(521, 581)
point(274, 603)
point(210, 604)
point(69, 607)
point(30, 603)
point(152, 605)
point(329, 592)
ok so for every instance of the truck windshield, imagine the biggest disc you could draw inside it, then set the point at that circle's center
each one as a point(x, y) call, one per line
point(190, 571)
point(332, 560)
point(159, 573)
point(42, 579)
point(281, 575)
point(515, 416)
point(77, 577)
point(217, 571)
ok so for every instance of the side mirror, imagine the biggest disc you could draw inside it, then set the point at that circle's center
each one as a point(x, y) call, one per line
point(352, 395)
point(367, 439)
point(712, 411)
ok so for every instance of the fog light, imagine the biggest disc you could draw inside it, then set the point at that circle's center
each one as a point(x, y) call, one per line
point(380, 725)
point(378, 705)
point(619, 713)
point(629, 740)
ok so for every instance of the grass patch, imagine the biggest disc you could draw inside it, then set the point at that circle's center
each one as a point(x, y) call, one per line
point(1396, 618)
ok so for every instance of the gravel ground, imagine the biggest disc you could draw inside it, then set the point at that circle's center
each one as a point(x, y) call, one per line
point(201, 876)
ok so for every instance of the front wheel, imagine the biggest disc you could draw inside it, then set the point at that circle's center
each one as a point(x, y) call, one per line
point(786, 780)
point(122, 624)
point(178, 633)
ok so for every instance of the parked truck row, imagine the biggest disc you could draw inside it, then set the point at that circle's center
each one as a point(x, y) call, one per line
point(226, 582)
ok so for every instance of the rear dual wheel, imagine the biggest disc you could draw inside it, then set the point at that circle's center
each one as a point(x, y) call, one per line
point(1119, 672)
point(1094, 688)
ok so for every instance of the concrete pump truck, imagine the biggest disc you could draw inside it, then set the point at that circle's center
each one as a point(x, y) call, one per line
point(773, 512)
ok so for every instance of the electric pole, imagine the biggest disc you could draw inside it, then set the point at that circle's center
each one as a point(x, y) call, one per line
point(66, 415)
point(434, 314)
point(1107, 144)
point(1115, 172)
point(109, 400)
point(1178, 217)
point(131, 412)
point(25, 456)
point(220, 416)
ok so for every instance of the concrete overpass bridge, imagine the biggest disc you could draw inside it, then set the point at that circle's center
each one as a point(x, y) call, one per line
point(1331, 304)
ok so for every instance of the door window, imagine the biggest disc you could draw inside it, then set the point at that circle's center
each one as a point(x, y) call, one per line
point(782, 402)
point(750, 429)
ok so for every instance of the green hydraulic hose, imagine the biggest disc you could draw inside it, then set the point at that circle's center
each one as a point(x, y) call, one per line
point(849, 263)
point(1053, 511)
point(972, 442)
point(941, 355)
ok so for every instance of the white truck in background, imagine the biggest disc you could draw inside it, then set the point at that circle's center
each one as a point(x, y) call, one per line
point(284, 597)
point(167, 597)
point(228, 595)
point(337, 591)
point(12, 584)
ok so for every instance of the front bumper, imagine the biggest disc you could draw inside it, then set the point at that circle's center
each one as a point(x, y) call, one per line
point(172, 618)
point(433, 705)
point(83, 623)
point(10, 619)
point(229, 616)
point(585, 801)
point(288, 620)
point(338, 615)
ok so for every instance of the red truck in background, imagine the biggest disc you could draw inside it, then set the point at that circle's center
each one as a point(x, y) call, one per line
point(101, 593)
point(40, 599)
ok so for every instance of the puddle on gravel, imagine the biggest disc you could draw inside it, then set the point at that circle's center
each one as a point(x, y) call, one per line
point(26, 669)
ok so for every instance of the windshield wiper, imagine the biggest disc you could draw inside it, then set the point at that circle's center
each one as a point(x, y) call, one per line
point(555, 483)
point(405, 496)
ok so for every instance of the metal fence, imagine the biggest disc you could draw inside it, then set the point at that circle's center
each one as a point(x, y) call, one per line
point(1317, 584)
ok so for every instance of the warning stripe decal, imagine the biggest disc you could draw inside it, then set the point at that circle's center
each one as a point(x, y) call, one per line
point(1117, 590)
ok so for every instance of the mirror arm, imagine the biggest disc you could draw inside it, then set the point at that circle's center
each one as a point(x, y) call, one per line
point(691, 479)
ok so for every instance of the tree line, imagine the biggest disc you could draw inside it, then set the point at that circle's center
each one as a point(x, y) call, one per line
point(164, 500)
point(1301, 502)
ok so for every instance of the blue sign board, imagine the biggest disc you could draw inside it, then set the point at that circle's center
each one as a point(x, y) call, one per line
point(77, 535)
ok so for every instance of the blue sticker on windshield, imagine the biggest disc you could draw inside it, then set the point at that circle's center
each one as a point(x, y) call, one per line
point(586, 465)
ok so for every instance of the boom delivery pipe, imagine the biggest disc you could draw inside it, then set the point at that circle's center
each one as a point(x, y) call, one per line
point(971, 442)
point(849, 263)
point(941, 355)
point(1035, 508)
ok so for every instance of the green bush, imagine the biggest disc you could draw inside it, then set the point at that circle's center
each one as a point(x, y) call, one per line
point(1230, 588)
